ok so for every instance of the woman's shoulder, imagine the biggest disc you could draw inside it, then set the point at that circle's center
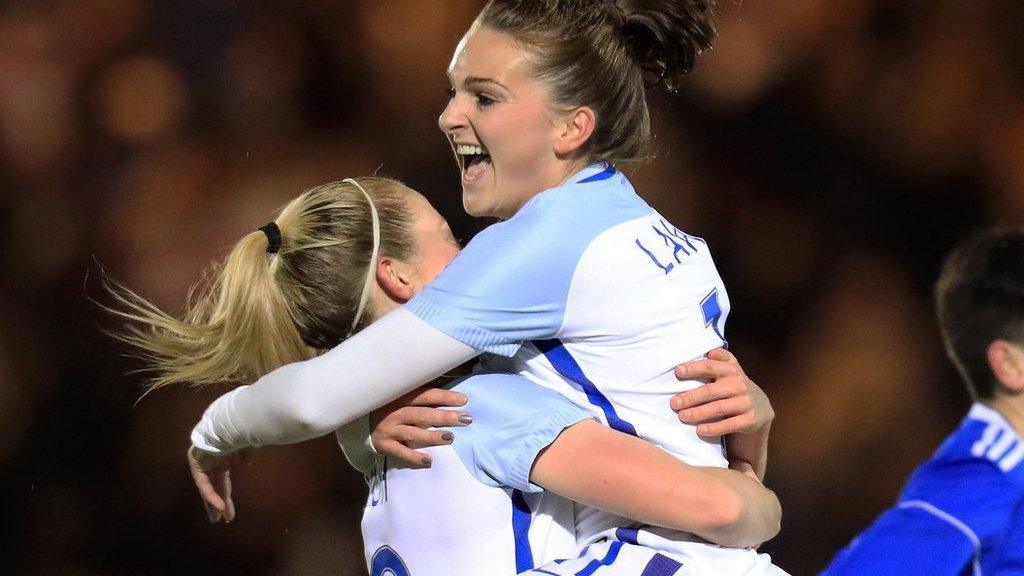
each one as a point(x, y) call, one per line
point(571, 214)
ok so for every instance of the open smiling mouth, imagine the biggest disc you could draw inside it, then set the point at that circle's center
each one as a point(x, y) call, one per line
point(473, 160)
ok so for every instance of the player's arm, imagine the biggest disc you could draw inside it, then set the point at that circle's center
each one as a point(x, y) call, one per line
point(912, 538)
point(729, 403)
point(308, 399)
point(594, 465)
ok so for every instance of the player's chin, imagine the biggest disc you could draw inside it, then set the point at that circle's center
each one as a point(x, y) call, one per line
point(478, 201)
point(473, 204)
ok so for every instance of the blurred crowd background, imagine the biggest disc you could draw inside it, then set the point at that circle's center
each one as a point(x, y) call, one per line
point(831, 151)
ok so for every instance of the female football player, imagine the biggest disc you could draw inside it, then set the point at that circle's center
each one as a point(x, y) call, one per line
point(582, 288)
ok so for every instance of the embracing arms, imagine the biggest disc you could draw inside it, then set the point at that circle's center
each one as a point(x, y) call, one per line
point(729, 404)
point(312, 398)
point(309, 399)
point(627, 476)
point(630, 477)
point(593, 464)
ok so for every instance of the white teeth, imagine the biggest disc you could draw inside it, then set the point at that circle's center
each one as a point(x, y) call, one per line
point(468, 150)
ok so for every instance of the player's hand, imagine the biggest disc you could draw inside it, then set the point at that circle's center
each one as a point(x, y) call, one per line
point(212, 476)
point(401, 427)
point(728, 403)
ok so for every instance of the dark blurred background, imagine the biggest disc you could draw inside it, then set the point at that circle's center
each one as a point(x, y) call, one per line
point(830, 150)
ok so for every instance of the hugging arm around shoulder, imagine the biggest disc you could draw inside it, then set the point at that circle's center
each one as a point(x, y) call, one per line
point(309, 399)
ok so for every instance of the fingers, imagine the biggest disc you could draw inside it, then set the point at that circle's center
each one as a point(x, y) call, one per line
point(732, 425)
point(207, 491)
point(404, 454)
point(434, 397)
point(708, 393)
point(214, 504)
point(417, 438)
point(211, 513)
point(215, 490)
point(723, 355)
point(429, 417)
point(708, 369)
point(213, 481)
point(225, 489)
point(717, 410)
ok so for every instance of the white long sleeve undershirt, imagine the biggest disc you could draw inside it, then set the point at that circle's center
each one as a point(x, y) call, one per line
point(308, 399)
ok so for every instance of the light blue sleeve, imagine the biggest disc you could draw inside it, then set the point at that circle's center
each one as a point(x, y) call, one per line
point(513, 421)
point(511, 282)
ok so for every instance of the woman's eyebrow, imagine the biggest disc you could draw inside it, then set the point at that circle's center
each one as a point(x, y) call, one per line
point(477, 81)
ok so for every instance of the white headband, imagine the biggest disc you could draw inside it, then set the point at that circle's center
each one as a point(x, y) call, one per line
point(373, 258)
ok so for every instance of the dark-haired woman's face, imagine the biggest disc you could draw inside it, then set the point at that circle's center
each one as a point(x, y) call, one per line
point(501, 125)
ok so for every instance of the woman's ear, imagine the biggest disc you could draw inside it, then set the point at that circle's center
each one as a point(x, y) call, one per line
point(394, 278)
point(1006, 360)
point(577, 127)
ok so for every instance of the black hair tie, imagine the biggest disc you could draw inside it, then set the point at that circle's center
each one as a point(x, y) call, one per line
point(273, 232)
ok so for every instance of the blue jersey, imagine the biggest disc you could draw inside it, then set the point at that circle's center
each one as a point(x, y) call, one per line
point(590, 292)
point(475, 511)
point(961, 513)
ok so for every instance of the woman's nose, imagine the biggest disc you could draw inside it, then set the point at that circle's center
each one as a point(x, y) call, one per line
point(452, 118)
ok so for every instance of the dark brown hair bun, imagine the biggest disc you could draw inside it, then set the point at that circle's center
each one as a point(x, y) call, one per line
point(665, 37)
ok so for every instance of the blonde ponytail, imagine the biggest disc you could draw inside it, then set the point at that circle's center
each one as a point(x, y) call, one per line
point(258, 311)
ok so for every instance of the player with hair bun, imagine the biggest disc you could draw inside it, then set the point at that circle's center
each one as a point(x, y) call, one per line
point(582, 288)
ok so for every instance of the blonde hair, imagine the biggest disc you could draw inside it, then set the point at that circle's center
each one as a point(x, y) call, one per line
point(257, 311)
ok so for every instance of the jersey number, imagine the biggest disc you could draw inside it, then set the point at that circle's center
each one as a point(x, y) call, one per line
point(712, 309)
point(387, 562)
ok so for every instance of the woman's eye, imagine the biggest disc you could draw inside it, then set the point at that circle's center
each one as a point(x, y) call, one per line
point(484, 100)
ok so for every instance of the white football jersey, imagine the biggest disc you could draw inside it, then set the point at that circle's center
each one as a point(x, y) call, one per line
point(475, 511)
point(588, 291)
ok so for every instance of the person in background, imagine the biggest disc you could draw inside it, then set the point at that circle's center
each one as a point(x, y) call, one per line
point(962, 511)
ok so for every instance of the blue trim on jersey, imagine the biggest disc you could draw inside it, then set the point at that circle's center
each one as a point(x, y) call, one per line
point(609, 558)
point(514, 420)
point(603, 175)
point(627, 535)
point(521, 518)
point(569, 369)
point(661, 565)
